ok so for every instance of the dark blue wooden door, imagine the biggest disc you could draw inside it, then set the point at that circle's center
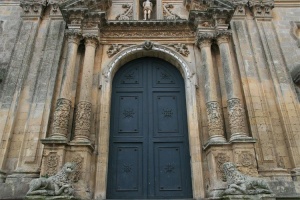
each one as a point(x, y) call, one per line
point(149, 151)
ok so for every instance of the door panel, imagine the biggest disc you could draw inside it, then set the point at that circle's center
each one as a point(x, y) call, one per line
point(149, 150)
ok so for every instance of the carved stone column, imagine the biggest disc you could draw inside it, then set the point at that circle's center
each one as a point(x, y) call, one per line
point(235, 108)
point(63, 105)
point(84, 108)
point(214, 113)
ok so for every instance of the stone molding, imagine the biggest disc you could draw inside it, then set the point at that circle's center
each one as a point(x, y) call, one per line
point(83, 117)
point(61, 118)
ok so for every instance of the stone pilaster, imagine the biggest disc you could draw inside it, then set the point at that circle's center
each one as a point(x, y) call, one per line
point(84, 108)
point(236, 110)
point(214, 113)
point(63, 106)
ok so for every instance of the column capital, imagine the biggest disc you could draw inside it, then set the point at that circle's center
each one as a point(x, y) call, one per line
point(204, 39)
point(262, 8)
point(74, 36)
point(91, 40)
point(223, 36)
point(32, 8)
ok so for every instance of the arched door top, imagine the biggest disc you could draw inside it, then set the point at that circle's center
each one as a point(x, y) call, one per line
point(158, 51)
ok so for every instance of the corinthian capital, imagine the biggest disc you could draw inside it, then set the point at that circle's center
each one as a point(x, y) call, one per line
point(223, 36)
point(262, 8)
point(91, 40)
point(74, 36)
point(204, 39)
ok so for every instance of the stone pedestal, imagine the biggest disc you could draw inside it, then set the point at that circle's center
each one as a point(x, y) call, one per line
point(250, 197)
point(39, 197)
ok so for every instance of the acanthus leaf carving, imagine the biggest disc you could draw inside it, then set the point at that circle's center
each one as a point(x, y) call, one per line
point(262, 8)
point(115, 48)
point(52, 161)
point(33, 7)
point(127, 15)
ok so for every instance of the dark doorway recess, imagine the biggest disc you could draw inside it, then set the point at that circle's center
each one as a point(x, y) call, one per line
point(149, 151)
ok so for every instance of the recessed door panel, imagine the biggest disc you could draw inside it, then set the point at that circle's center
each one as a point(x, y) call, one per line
point(149, 151)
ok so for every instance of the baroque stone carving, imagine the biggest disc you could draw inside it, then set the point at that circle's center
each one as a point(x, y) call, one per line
point(246, 163)
point(114, 49)
point(236, 116)
point(223, 36)
point(33, 7)
point(78, 160)
point(168, 14)
point(127, 15)
point(262, 8)
point(221, 158)
point(215, 119)
point(56, 185)
point(61, 117)
point(51, 164)
point(83, 119)
point(91, 39)
point(148, 45)
point(239, 183)
point(204, 39)
point(74, 36)
point(181, 48)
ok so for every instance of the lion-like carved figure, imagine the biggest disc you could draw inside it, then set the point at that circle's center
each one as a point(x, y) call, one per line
point(239, 183)
point(55, 185)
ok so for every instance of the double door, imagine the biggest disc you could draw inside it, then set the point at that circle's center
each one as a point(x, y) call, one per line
point(149, 151)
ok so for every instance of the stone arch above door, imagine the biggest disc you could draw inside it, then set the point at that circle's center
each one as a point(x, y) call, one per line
point(191, 104)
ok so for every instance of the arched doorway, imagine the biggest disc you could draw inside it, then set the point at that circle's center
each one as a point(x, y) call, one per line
point(149, 151)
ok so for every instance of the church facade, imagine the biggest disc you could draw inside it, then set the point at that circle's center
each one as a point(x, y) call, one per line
point(150, 98)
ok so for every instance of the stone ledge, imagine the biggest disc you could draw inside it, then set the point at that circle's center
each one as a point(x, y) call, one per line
point(250, 197)
point(39, 197)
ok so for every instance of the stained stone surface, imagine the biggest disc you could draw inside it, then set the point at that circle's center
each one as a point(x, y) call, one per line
point(250, 197)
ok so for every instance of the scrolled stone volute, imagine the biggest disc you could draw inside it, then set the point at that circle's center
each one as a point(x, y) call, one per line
point(241, 184)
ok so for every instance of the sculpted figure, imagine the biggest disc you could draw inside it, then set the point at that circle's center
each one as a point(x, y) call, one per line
point(239, 183)
point(58, 184)
point(147, 9)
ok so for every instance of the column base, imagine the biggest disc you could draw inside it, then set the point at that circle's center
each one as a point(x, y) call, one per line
point(241, 137)
point(2, 176)
point(81, 140)
point(215, 141)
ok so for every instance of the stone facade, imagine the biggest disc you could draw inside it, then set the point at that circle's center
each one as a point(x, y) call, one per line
point(239, 60)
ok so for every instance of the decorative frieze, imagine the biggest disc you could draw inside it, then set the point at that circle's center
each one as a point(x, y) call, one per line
point(168, 14)
point(127, 15)
point(236, 116)
point(83, 120)
point(61, 118)
point(114, 49)
point(215, 119)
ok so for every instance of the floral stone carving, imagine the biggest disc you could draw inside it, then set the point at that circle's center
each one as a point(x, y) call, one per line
point(83, 119)
point(56, 185)
point(181, 48)
point(168, 14)
point(51, 164)
point(221, 158)
point(215, 119)
point(241, 184)
point(61, 117)
point(127, 15)
point(236, 116)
